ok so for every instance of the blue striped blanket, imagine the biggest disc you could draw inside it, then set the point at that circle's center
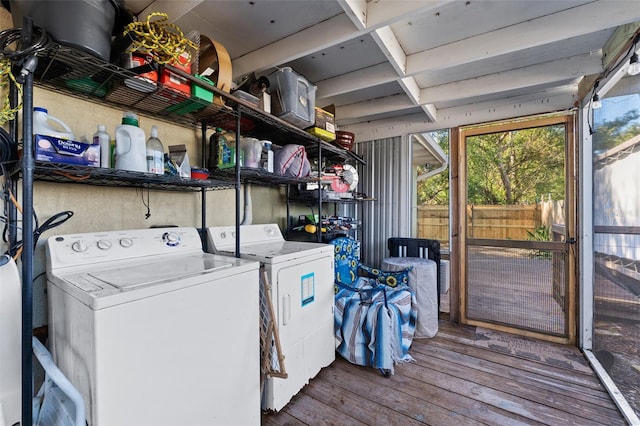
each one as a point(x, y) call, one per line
point(374, 324)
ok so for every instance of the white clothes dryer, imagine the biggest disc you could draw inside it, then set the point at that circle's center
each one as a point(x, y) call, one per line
point(153, 331)
point(301, 275)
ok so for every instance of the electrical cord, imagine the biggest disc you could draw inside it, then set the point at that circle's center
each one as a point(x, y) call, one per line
point(55, 220)
point(8, 149)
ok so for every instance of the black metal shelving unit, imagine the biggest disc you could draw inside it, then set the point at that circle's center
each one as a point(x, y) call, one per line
point(75, 73)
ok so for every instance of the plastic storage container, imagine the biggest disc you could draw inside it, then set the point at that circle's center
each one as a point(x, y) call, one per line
point(293, 98)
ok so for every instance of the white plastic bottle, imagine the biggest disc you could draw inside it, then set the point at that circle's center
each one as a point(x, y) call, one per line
point(47, 125)
point(131, 145)
point(102, 138)
point(155, 153)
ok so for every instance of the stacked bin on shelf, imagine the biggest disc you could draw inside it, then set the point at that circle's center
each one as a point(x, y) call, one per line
point(293, 98)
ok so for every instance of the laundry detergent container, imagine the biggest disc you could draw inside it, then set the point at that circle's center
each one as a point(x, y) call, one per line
point(83, 24)
point(293, 98)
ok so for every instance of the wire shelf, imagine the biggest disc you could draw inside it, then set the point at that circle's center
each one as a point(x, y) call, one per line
point(66, 173)
point(78, 74)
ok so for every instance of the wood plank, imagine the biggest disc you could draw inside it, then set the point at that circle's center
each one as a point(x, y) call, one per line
point(310, 411)
point(578, 378)
point(463, 333)
point(358, 406)
point(457, 379)
point(388, 393)
point(560, 355)
point(458, 406)
point(542, 382)
point(548, 405)
point(452, 381)
point(281, 418)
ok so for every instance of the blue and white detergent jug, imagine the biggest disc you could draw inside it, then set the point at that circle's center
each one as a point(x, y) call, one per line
point(47, 125)
point(131, 145)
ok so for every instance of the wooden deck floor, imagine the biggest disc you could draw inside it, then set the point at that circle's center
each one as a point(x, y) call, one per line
point(463, 376)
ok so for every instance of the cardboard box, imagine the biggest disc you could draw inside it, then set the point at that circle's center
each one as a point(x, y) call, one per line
point(56, 150)
point(324, 125)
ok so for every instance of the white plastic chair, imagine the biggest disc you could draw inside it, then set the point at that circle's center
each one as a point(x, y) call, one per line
point(58, 402)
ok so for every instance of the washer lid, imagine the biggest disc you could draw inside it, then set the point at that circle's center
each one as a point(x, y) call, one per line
point(283, 251)
point(159, 271)
point(123, 282)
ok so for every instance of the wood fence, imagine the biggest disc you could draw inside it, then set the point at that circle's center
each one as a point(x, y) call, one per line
point(494, 222)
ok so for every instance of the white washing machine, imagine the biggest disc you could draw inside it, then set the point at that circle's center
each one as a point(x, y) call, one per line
point(153, 331)
point(301, 277)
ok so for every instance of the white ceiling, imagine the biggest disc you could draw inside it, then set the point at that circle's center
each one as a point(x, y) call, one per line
point(395, 67)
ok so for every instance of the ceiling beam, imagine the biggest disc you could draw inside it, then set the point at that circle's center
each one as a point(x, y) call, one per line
point(318, 37)
point(381, 13)
point(374, 107)
point(547, 101)
point(553, 71)
point(330, 33)
point(573, 22)
point(535, 75)
point(356, 80)
point(174, 9)
point(390, 47)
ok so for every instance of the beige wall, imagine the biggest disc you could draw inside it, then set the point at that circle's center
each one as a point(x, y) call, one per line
point(99, 208)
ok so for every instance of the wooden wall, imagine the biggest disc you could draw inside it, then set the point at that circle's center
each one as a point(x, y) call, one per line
point(493, 222)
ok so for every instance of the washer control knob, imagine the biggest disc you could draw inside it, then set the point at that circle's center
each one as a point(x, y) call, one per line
point(104, 244)
point(126, 242)
point(171, 239)
point(79, 246)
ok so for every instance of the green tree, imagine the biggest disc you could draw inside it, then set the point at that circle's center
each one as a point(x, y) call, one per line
point(435, 189)
point(516, 167)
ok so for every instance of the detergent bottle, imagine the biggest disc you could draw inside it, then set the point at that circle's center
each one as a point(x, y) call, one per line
point(102, 138)
point(47, 125)
point(131, 145)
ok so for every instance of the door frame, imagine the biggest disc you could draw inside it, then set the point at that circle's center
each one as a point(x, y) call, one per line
point(458, 190)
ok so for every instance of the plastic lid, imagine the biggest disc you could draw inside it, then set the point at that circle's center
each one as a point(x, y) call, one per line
point(40, 109)
point(102, 128)
point(154, 131)
point(130, 118)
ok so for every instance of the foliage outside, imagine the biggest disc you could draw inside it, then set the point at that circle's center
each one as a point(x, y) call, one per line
point(541, 233)
point(435, 190)
point(517, 167)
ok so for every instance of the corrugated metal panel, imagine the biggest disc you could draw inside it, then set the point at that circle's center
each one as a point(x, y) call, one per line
point(387, 177)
